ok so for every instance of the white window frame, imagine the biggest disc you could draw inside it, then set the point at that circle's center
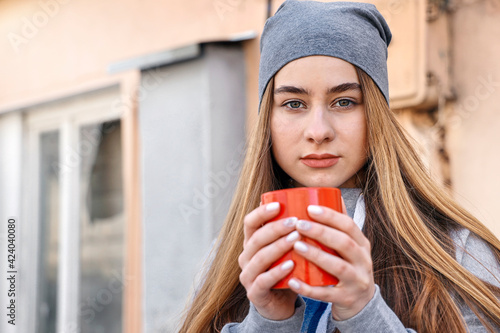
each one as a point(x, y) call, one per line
point(67, 116)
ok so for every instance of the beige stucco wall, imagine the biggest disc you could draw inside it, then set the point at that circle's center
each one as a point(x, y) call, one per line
point(458, 136)
point(473, 125)
point(52, 46)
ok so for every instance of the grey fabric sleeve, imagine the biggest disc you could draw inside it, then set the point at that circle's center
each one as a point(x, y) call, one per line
point(375, 317)
point(475, 255)
point(254, 322)
point(471, 252)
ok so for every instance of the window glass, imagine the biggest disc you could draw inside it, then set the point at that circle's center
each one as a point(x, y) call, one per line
point(102, 228)
point(49, 224)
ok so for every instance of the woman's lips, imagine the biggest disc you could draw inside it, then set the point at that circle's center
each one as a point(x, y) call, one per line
point(319, 161)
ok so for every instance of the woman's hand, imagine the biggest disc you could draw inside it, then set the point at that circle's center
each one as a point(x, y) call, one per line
point(264, 244)
point(354, 268)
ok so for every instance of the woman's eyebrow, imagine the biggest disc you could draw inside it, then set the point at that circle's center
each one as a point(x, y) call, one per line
point(344, 87)
point(333, 90)
point(291, 89)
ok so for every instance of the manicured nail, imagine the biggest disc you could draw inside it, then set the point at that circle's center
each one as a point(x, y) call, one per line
point(303, 225)
point(290, 222)
point(292, 236)
point(294, 284)
point(287, 265)
point(300, 246)
point(313, 209)
point(272, 206)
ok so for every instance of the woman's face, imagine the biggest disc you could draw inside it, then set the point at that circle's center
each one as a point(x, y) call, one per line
point(318, 124)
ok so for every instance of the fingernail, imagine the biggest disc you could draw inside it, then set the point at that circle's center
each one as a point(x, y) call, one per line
point(292, 236)
point(290, 222)
point(300, 246)
point(287, 265)
point(294, 284)
point(313, 209)
point(303, 225)
point(272, 206)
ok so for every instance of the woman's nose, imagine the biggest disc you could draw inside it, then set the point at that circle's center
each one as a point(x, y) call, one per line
point(318, 127)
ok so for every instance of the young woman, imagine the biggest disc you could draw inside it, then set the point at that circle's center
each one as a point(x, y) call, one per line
point(411, 259)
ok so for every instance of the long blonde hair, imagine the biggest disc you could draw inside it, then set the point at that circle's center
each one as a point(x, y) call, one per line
point(408, 221)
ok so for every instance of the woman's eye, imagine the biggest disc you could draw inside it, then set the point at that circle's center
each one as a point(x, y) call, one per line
point(294, 104)
point(344, 103)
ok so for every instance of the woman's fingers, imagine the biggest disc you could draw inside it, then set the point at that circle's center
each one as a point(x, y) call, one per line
point(354, 289)
point(265, 257)
point(345, 304)
point(339, 221)
point(264, 243)
point(332, 264)
point(257, 217)
point(313, 292)
point(265, 281)
point(277, 304)
point(264, 236)
point(337, 240)
point(353, 267)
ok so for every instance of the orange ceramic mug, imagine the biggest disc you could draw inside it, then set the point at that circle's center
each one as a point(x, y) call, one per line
point(293, 203)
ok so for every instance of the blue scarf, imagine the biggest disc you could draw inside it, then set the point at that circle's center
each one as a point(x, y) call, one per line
point(312, 315)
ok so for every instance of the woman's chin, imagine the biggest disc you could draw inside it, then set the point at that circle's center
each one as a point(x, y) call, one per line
point(317, 183)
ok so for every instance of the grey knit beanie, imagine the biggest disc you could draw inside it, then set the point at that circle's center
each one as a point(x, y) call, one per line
point(353, 31)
